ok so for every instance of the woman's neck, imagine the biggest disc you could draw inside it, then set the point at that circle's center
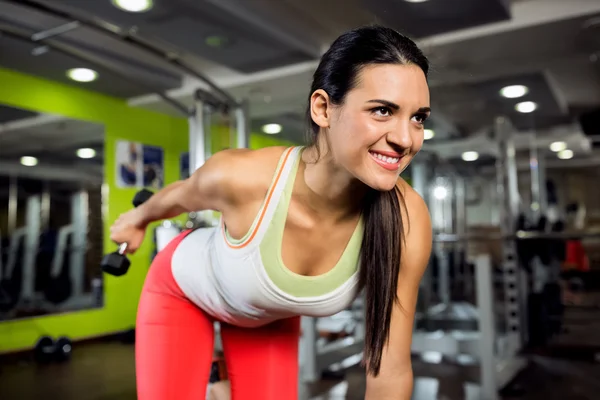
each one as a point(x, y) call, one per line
point(329, 189)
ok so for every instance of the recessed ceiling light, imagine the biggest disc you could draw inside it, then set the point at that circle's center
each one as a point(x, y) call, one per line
point(133, 5)
point(29, 161)
point(558, 146)
point(565, 154)
point(428, 134)
point(514, 91)
point(271, 129)
point(470, 156)
point(526, 107)
point(86, 153)
point(415, 1)
point(82, 74)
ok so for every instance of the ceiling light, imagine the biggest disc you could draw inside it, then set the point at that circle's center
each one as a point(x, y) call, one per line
point(526, 107)
point(565, 154)
point(428, 134)
point(514, 91)
point(470, 156)
point(29, 161)
point(415, 1)
point(440, 192)
point(86, 153)
point(271, 129)
point(558, 146)
point(82, 74)
point(133, 5)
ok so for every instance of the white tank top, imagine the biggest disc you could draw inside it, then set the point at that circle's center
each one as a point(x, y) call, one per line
point(245, 282)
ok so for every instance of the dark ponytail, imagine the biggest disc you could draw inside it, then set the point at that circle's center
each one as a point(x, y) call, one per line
point(381, 250)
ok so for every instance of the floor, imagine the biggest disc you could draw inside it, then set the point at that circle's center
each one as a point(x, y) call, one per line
point(106, 371)
point(568, 370)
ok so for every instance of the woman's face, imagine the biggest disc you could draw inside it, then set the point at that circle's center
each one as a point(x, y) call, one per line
point(378, 130)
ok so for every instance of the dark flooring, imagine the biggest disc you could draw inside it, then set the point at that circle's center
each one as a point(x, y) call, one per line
point(566, 370)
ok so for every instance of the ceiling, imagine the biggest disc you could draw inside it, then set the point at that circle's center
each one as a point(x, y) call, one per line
point(265, 51)
point(53, 141)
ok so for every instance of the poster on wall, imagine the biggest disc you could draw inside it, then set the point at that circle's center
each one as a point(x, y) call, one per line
point(184, 165)
point(139, 165)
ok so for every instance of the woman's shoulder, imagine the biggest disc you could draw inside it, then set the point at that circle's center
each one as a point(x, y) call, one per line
point(414, 208)
point(247, 172)
point(249, 163)
point(417, 229)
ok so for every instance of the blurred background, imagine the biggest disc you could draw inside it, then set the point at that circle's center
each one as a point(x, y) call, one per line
point(102, 98)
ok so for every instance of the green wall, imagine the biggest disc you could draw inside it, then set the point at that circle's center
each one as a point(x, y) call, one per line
point(120, 122)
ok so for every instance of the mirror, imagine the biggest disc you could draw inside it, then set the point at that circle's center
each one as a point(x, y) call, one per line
point(51, 225)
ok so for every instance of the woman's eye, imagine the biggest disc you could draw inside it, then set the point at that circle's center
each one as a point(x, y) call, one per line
point(383, 111)
point(420, 118)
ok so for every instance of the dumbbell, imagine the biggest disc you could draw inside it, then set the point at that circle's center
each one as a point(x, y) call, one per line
point(63, 349)
point(43, 351)
point(116, 263)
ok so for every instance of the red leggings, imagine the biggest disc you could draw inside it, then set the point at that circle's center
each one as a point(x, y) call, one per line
point(174, 346)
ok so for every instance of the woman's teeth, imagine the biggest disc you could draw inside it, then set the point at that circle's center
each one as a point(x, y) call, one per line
point(389, 160)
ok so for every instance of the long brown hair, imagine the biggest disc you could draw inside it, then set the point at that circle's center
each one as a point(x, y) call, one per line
point(381, 249)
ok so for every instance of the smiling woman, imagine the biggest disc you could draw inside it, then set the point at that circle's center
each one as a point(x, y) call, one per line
point(313, 227)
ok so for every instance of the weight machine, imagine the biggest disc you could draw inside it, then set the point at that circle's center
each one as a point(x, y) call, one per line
point(65, 288)
point(66, 259)
point(22, 249)
point(475, 330)
point(317, 356)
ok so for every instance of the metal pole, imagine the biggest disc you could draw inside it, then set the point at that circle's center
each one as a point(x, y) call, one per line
point(32, 238)
point(242, 121)
point(207, 110)
point(506, 169)
point(308, 350)
point(535, 183)
point(543, 191)
point(45, 206)
point(419, 182)
point(419, 178)
point(460, 219)
point(13, 204)
point(443, 274)
point(79, 222)
point(487, 328)
point(56, 31)
point(197, 140)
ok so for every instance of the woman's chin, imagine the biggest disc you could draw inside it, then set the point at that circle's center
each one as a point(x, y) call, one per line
point(383, 184)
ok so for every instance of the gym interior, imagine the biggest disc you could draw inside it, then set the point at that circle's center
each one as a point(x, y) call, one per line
point(118, 98)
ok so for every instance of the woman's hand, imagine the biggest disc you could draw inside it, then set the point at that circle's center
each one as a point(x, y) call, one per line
point(129, 228)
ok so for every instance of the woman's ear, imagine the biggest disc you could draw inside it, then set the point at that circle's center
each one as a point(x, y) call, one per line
point(320, 111)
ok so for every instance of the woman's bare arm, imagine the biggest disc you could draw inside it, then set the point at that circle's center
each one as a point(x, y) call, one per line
point(210, 187)
point(395, 380)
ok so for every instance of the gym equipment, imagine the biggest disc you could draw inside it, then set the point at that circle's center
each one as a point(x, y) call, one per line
point(141, 197)
point(473, 329)
point(18, 280)
point(43, 351)
point(318, 356)
point(116, 263)
point(67, 272)
point(63, 349)
point(164, 233)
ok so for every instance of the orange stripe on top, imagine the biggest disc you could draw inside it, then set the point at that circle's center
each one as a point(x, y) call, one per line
point(264, 208)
